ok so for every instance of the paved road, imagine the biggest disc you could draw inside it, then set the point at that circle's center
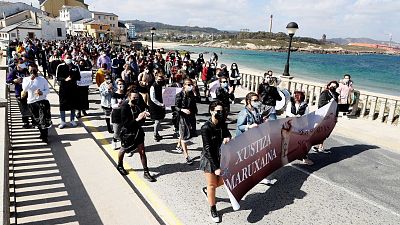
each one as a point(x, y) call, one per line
point(358, 183)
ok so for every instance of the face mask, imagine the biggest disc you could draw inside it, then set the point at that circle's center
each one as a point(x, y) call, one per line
point(332, 89)
point(189, 88)
point(33, 72)
point(224, 85)
point(161, 82)
point(68, 61)
point(256, 104)
point(346, 81)
point(134, 101)
point(219, 115)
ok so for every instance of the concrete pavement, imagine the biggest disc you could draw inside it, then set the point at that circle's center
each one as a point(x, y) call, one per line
point(70, 180)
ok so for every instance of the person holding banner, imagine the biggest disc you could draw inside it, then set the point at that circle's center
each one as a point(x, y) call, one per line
point(297, 107)
point(329, 94)
point(214, 133)
point(186, 106)
point(83, 91)
point(249, 118)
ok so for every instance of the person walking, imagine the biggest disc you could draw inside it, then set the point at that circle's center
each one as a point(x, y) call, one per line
point(214, 133)
point(329, 94)
point(298, 107)
point(132, 134)
point(16, 76)
point(83, 92)
point(117, 99)
point(269, 94)
point(186, 106)
point(67, 75)
point(37, 89)
point(145, 79)
point(106, 90)
point(156, 106)
point(234, 77)
point(250, 117)
point(224, 94)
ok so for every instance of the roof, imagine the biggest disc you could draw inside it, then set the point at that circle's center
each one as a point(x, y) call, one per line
point(25, 24)
point(12, 8)
point(43, 1)
point(103, 13)
point(96, 22)
point(86, 20)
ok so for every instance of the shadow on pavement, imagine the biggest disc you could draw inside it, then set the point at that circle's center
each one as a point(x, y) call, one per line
point(289, 182)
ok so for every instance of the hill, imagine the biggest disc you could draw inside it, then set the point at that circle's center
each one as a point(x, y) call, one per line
point(143, 26)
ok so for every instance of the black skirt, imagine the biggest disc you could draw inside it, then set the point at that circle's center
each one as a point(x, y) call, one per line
point(82, 98)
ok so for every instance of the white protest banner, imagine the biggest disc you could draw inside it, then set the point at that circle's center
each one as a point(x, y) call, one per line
point(169, 95)
point(258, 152)
point(213, 88)
point(86, 79)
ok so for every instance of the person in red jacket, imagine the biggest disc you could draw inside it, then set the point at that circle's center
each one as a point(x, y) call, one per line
point(206, 75)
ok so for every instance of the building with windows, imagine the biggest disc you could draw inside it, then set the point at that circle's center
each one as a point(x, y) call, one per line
point(131, 30)
point(106, 18)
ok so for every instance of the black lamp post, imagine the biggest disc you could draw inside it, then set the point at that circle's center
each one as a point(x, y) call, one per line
point(153, 31)
point(291, 28)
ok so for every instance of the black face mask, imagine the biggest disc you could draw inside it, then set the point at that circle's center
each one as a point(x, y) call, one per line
point(161, 83)
point(219, 115)
point(134, 101)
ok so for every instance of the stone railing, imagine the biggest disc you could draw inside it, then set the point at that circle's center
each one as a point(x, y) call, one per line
point(368, 105)
point(4, 146)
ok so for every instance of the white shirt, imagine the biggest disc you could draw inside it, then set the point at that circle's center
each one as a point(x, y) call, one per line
point(31, 86)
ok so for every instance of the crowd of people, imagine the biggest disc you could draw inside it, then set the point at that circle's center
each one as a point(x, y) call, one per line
point(131, 82)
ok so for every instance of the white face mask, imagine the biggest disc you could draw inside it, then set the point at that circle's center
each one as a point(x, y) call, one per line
point(189, 88)
point(224, 85)
point(256, 104)
point(68, 61)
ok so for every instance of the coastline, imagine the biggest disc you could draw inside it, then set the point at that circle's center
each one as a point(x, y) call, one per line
point(243, 69)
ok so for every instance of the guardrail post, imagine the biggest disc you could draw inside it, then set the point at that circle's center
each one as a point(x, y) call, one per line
point(382, 109)
point(364, 107)
point(372, 108)
point(312, 95)
point(257, 83)
point(253, 83)
point(392, 110)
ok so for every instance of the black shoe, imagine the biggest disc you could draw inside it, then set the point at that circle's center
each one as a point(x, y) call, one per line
point(84, 113)
point(157, 138)
point(149, 177)
point(189, 160)
point(204, 191)
point(26, 126)
point(122, 170)
point(214, 214)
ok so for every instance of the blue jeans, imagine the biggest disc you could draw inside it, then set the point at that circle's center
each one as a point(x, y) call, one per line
point(72, 116)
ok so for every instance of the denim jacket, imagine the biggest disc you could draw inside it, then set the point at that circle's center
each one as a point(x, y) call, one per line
point(106, 95)
point(245, 118)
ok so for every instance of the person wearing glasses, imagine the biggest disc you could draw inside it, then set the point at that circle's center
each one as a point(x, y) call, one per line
point(186, 106)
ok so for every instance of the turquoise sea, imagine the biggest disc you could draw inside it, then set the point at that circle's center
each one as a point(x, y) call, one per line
point(376, 73)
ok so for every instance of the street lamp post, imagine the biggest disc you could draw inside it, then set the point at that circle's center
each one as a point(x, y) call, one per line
point(291, 28)
point(153, 31)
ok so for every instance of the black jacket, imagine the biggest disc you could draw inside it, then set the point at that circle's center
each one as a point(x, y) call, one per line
point(212, 136)
point(224, 96)
point(326, 97)
point(268, 94)
point(186, 101)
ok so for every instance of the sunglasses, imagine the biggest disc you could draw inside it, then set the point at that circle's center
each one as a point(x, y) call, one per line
point(224, 81)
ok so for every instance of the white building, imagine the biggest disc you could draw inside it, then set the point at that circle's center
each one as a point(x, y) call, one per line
point(106, 18)
point(131, 30)
point(30, 24)
point(71, 14)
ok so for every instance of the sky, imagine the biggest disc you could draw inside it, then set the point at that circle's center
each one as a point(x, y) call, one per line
point(375, 19)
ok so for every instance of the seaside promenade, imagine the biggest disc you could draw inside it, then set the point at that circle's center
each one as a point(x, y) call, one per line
point(73, 179)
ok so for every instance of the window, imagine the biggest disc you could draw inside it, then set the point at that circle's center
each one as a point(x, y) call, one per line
point(31, 35)
point(59, 32)
point(101, 27)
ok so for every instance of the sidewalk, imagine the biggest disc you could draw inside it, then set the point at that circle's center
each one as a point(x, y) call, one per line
point(70, 180)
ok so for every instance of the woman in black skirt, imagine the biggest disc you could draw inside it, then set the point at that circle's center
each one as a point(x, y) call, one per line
point(132, 133)
point(214, 133)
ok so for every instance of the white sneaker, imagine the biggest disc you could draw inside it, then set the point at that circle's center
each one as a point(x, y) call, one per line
point(73, 124)
point(268, 181)
point(115, 145)
point(62, 125)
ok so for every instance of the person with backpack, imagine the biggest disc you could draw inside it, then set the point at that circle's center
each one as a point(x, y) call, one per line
point(132, 134)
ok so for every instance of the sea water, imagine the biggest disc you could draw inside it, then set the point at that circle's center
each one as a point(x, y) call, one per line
point(370, 72)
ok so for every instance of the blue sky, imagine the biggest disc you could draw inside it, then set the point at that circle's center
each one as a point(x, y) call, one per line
point(335, 18)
